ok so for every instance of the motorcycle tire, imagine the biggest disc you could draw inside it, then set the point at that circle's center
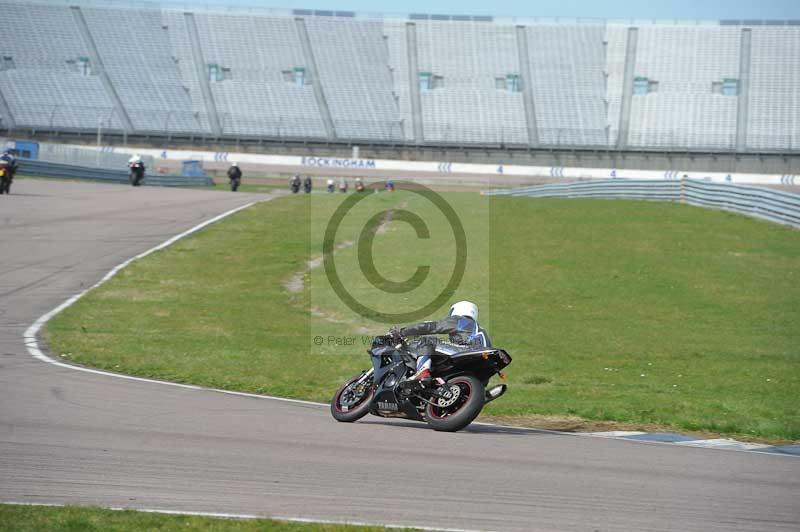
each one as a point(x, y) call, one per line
point(469, 404)
point(350, 414)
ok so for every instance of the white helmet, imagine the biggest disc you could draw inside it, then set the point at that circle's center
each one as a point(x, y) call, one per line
point(234, 164)
point(465, 308)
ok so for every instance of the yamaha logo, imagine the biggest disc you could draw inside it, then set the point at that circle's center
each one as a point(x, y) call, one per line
point(385, 405)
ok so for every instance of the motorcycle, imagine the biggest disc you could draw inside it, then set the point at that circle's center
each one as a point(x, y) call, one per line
point(449, 401)
point(136, 173)
point(360, 186)
point(5, 179)
point(234, 183)
point(295, 186)
point(307, 186)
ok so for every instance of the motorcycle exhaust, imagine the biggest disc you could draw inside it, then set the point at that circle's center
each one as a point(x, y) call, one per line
point(495, 392)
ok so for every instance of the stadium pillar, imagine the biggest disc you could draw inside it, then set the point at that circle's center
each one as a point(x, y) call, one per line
point(316, 82)
point(627, 88)
point(527, 85)
point(202, 74)
point(97, 63)
point(8, 119)
point(413, 82)
point(743, 110)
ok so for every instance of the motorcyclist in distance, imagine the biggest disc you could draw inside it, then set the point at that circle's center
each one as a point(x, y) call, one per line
point(137, 169)
point(294, 183)
point(9, 165)
point(235, 176)
point(461, 326)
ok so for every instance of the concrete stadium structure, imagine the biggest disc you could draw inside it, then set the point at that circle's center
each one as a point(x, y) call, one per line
point(416, 80)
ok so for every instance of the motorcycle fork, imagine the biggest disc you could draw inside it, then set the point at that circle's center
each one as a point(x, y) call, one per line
point(365, 376)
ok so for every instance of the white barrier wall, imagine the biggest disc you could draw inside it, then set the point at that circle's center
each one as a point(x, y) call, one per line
point(567, 173)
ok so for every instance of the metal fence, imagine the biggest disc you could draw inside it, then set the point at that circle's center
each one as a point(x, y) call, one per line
point(166, 124)
point(772, 205)
point(77, 156)
point(72, 155)
point(66, 171)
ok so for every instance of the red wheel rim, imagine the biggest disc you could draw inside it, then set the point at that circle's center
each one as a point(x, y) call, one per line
point(436, 411)
point(346, 387)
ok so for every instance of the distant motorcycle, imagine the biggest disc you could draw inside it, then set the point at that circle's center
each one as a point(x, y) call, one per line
point(8, 167)
point(136, 173)
point(234, 183)
point(294, 184)
point(360, 186)
point(5, 178)
point(307, 186)
point(449, 401)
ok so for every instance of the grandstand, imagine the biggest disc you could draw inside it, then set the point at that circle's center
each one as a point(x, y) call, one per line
point(420, 80)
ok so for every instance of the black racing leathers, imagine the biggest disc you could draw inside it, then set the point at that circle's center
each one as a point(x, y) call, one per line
point(234, 172)
point(463, 333)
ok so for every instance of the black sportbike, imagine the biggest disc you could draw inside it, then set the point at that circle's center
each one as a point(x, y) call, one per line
point(136, 174)
point(449, 401)
point(6, 177)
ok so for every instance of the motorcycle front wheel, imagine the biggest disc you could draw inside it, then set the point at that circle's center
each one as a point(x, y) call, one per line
point(351, 401)
point(453, 413)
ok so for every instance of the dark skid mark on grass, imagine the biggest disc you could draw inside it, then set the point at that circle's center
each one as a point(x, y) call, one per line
point(296, 283)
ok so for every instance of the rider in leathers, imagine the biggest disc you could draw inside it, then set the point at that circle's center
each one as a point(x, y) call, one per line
point(11, 169)
point(463, 331)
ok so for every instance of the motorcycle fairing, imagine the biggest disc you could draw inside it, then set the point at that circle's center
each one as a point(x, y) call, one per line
point(390, 369)
point(483, 362)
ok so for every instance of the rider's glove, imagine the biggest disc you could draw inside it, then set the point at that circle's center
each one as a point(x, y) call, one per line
point(394, 333)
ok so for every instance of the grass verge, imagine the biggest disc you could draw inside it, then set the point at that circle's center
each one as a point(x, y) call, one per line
point(614, 311)
point(19, 518)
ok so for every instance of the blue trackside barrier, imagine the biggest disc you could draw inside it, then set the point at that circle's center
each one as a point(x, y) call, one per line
point(767, 204)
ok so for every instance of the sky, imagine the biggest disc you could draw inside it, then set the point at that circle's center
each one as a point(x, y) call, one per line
point(641, 9)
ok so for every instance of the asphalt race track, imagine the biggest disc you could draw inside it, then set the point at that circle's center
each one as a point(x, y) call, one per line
point(79, 438)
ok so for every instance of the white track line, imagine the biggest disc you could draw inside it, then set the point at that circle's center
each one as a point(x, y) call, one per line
point(32, 345)
point(224, 515)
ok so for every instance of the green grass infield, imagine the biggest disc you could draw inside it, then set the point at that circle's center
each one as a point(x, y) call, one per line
point(637, 313)
point(19, 518)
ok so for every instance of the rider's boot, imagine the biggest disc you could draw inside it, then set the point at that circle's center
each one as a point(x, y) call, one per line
point(421, 375)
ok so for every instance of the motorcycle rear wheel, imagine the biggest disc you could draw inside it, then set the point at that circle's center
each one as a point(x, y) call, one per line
point(353, 411)
point(467, 406)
